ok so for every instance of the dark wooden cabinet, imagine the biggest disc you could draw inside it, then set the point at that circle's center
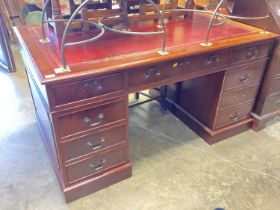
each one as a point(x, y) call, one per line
point(267, 106)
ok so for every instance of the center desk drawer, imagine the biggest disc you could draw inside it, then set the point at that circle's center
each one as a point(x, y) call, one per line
point(94, 143)
point(177, 67)
point(97, 164)
point(76, 91)
point(192, 64)
point(91, 119)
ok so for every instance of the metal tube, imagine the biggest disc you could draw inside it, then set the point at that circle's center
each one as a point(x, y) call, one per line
point(161, 17)
point(43, 17)
point(82, 5)
point(211, 22)
point(132, 32)
point(86, 41)
point(217, 14)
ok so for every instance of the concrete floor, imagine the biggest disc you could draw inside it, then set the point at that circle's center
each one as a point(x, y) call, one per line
point(172, 167)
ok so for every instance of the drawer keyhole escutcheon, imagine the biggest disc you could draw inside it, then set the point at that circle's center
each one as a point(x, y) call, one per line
point(96, 146)
point(98, 166)
point(244, 78)
point(90, 85)
point(148, 74)
point(213, 59)
point(89, 122)
point(235, 116)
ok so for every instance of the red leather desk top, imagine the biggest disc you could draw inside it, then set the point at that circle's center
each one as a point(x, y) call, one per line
point(181, 34)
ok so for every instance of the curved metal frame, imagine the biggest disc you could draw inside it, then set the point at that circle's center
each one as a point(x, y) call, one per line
point(103, 28)
point(43, 20)
point(207, 43)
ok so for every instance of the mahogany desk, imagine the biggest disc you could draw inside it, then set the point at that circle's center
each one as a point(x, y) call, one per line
point(83, 114)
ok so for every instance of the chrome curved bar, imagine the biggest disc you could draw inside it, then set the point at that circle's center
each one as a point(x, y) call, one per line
point(130, 32)
point(102, 31)
point(43, 18)
point(82, 5)
point(163, 32)
point(103, 28)
point(206, 43)
point(162, 26)
point(218, 14)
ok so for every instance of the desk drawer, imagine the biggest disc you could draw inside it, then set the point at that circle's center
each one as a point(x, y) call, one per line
point(239, 96)
point(95, 165)
point(194, 63)
point(244, 76)
point(76, 91)
point(233, 115)
point(92, 118)
point(147, 75)
point(250, 53)
point(94, 143)
point(143, 75)
point(275, 85)
point(212, 60)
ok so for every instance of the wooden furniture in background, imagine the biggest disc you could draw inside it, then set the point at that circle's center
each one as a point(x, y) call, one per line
point(267, 107)
point(6, 57)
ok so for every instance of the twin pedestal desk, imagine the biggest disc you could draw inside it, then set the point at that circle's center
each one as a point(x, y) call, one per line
point(83, 113)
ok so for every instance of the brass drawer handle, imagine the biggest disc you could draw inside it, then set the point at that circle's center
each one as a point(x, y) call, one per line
point(213, 59)
point(252, 52)
point(235, 116)
point(99, 166)
point(89, 85)
point(244, 78)
point(89, 122)
point(96, 146)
